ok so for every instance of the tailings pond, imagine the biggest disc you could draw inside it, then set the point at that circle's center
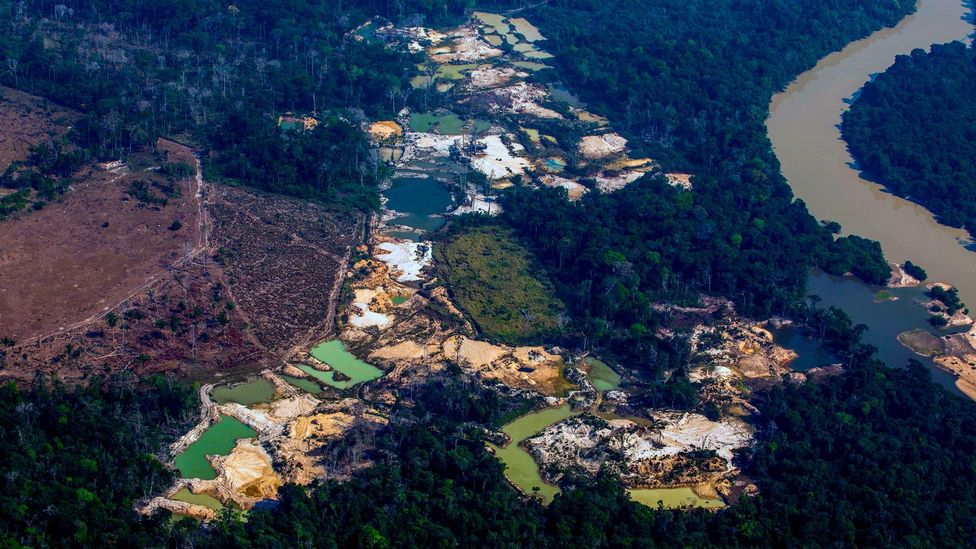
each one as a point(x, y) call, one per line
point(252, 392)
point(218, 440)
point(335, 355)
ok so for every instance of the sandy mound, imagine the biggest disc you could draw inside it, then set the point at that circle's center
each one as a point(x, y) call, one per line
point(602, 146)
point(682, 180)
point(404, 350)
point(574, 190)
point(498, 160)
point(476, 353)
point(385, 130)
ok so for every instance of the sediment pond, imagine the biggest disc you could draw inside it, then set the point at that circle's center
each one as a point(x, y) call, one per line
point(218, 440)
point(335, 355)
point(520, 467)
point(803, 128)
point(420, 201)
point(252, 392)
point(601, 375)
point(205, 500)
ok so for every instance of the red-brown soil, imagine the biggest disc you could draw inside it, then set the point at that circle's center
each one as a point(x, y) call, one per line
point(185, 323)
point(90, 249)
point(27, 120)
point(285, 260)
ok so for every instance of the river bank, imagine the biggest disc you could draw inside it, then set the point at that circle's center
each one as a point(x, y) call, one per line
point(803, 128)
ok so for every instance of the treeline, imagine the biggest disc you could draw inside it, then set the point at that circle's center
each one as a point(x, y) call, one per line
point(911, 130)
point(204, 71)
point(75, 460)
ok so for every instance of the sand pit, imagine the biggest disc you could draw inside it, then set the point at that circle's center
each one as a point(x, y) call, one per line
point(609, 183)
point(494, 77)
point(408, 349)
point(385, 131)
point(498, 160)
point(574, 190)
point(473, 352)
point(406, 259)
point(682, 180)
point(245, 476)
point(602, 146)
point(464, 45)
point(362, 315)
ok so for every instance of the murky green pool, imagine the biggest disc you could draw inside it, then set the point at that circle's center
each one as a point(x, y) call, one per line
point(526, 29)
point(335, 355)
point(531, 65)
point(219, 440)
point(205, 500)
point(520, 467)
point(304, 384)
point(446, 123)
point(494, 20)
point(252, 392)
point(602, 376)
point(673, 498)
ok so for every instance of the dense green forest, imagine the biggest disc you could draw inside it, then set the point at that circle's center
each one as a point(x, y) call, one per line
point(216, 75)
point(692, 90)
point(75, 460)
point(913, 129)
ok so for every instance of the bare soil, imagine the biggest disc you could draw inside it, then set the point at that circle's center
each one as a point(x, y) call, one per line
point(285, 260)
point(27, 120)
point(86, 252)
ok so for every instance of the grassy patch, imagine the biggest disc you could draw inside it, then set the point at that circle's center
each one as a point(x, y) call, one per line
point(497, 281)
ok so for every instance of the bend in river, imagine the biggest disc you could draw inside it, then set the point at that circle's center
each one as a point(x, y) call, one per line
point(803, 128)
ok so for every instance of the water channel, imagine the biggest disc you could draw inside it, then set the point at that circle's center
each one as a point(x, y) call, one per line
point(803, 128)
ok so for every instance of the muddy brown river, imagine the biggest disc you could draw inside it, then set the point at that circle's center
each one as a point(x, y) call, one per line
point(803, 128)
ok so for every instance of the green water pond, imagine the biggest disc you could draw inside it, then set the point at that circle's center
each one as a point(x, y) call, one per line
point(447, 124)
point(252, 392)
point(531, 65)
point(526, 29)
point(219, 439)
point(602, 376)
point(673, 498)
point(335, 355)
point(306, 385)
point(399, 299)
point(205, 500)
point(520, 467)
point(494, 20)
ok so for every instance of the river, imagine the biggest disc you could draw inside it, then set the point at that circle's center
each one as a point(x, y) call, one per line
point(803, 128)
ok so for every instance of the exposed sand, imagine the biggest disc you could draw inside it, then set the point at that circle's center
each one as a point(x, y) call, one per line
point(602, 146)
